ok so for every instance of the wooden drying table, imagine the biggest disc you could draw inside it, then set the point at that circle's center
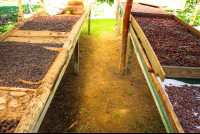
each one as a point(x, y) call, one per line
point(165, 109)
point(30, 105)
point(166, 71)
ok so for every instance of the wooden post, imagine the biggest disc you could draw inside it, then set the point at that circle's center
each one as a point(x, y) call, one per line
point(76, 58)
point(117, 16)
point(130, 55)
point(20, 15)
point(124, 35)
point(41, 4)
point(195, 13)
point(89, 19)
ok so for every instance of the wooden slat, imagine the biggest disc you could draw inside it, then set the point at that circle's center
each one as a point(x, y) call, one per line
point(182, 72)
point(18, 89)
point(36, 39)
point(164, 99)
point(147, 46)
point(152, 15)
point(31, 33)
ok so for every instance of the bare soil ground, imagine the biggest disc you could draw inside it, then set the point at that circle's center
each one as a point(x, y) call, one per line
point(97, 100)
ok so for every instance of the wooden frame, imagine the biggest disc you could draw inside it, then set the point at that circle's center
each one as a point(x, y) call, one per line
point(155, 87)
point(175, 71)
point(36, 110)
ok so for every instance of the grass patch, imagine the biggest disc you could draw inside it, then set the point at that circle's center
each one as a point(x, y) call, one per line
point(98, 26)
point(6, 27)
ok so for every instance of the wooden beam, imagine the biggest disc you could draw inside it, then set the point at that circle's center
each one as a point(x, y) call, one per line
point(76, 58)
point(36, 39)
point(124, 35)
point(149, 50)
point(32, 33)
point(182, 72)
point(18, 89)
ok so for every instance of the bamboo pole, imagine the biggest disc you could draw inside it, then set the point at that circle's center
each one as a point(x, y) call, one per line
point(197, 7)
point(124, 35)
point(20, 15)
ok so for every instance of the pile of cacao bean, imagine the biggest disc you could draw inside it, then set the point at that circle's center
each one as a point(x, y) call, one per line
point(24, 61)
point(173, 43)
point(185, 101)
point(144, 9)
point(8, 126)
point(50, 23)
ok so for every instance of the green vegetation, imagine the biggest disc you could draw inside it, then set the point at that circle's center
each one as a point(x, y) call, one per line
point(82, 109)
point(117, 115)
point(79, 88)
point(158, 128)
point(129, 92)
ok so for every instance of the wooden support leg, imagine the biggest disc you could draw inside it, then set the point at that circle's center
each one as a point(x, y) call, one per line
point(76, 58)
point(130, 55)
point(89, 22)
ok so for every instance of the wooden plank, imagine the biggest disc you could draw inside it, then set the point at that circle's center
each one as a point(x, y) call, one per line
point(18, 89)
point(72, 38)
point(152, 5)
point(151, 54)
point(163, 97)
point(151, 15)
point(182, 72)
point(130, 55)
point(31, 33)
point(36, 39)
point(76, 58)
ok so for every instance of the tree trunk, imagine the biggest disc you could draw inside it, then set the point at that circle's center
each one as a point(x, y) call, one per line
point(30, 7)
point(195, 13)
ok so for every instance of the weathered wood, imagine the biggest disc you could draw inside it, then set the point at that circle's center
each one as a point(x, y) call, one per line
point(164, 99)
point(76, 58)
point(31, 33)
point(36, 39)
point(151, 54)
point(152, 15)
point(18, 89)
point(89, 20)
point(182, 72)
point(117, 14)
point(130, 55)
point(72, 38)
point(152, 5)
point(124, 35)
point(54, 88)
point(20, 15)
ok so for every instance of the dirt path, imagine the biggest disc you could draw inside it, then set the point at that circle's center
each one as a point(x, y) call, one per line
point(99, 100)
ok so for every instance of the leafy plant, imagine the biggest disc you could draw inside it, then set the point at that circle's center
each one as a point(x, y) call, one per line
point(79, 88)
point(147, 118)
point(104, 92)
point(120, 101)
point(82, 109)
point(140, 124)
point(117, 115)
point(80, 129)
point(129, 92)
point(132, 128)
point(93, 126)
point(80, 56)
